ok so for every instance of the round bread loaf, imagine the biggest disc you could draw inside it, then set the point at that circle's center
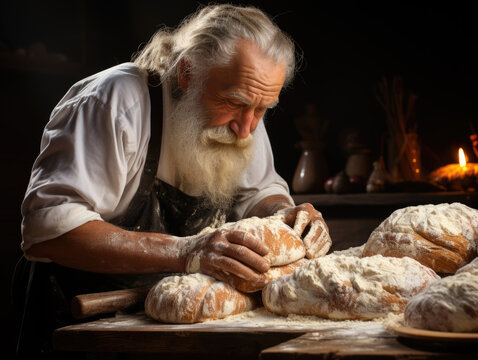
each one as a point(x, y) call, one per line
point(194, 298)
point(197, 297)
point(442, 237)
point(450, 304)
point(348, 287)
point(285, 249)
point(285, 246)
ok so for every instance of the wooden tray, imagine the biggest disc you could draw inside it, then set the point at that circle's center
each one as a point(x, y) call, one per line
point(412, 333)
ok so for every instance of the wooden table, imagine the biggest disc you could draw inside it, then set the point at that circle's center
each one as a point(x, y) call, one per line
point(135, 336)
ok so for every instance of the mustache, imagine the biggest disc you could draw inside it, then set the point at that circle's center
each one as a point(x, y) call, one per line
point(224, 135)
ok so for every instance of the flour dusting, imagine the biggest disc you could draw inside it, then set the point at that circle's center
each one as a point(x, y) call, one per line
point(301, 221)
point(194, 298)
point(261, 318)
point(351, 251)
point(443, 237)
point(450, 304)
point(348, 287)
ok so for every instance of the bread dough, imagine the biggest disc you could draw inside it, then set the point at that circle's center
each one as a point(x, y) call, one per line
point(194, 298)
point(285, 245)
point(442, 237)
point(348, 287)
point(450, 304)
point(286, 249)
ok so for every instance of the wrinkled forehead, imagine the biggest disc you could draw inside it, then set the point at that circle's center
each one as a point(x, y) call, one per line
point(249, 75)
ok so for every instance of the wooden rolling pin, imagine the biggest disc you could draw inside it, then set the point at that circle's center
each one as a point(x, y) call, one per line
point(83, 306)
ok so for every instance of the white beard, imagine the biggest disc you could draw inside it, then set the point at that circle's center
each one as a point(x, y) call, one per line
point(208, 160)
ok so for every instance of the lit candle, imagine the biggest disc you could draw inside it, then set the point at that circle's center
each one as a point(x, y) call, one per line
point(462, 158)
point(458, 177)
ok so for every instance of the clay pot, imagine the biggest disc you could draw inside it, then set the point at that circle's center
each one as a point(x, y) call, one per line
point(311, 172)
point(359, 163)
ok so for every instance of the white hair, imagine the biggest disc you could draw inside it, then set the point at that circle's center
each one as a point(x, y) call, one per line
point(208, 38)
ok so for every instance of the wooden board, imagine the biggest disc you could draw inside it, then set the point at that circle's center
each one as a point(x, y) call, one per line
point(136, 333)
point(429, 335)
point(245, 338)
point(240, 335)
point(373, 342)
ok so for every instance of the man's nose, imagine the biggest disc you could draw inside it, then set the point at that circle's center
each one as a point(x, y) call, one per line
point(244, 124)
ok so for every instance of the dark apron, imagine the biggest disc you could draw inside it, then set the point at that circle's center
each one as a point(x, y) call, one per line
point(42, 292)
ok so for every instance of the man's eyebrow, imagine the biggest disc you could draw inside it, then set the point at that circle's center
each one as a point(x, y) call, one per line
point(242, 99)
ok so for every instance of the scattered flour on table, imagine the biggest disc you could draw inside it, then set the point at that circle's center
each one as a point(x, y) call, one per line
point(260, 318)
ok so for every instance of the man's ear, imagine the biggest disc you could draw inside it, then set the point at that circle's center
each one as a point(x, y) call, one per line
point(184, 74)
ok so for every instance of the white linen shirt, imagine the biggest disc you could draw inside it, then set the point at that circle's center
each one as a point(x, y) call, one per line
point(93, 151)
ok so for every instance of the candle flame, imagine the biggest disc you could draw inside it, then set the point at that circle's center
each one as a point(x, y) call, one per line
point(462, 158)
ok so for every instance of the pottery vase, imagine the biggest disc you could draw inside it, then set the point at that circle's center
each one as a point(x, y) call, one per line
point(311, 172)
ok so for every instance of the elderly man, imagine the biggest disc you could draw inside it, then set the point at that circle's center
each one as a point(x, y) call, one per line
point(138, 159)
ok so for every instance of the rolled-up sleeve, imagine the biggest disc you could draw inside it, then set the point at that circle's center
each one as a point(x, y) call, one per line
point(80, 173)
point(260, 179)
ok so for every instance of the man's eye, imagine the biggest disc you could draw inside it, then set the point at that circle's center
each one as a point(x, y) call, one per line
point(234, 103)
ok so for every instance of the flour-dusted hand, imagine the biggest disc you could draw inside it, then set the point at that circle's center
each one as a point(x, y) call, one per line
point(224, 253)
point(310, 225)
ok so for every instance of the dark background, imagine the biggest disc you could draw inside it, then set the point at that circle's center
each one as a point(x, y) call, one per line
point(347, 49)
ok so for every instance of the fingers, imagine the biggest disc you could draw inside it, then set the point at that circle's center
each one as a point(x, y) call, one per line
point(224, 253)
point(247, 256)
point(259, 282)
point(318, 241)
point(301, 221)
point(303, 215)
point(248, 240)
point(223, 267)
point(247, 249)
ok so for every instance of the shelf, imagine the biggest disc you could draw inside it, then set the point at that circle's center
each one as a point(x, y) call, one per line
point(352, 217)
point(386, 199)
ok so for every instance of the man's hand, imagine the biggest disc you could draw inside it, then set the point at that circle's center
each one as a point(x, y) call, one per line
point(224, 253)
point(310, 225)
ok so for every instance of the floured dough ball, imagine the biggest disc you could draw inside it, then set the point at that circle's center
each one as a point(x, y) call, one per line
point(285, 246)
point(348, 287)
point(194, 298)
point(442, 237)
point(450, 304)
point(286, 249)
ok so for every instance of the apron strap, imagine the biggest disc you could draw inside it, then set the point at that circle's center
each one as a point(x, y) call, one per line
point(143, 211)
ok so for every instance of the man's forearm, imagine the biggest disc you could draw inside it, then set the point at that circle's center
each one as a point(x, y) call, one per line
point(102, 247)
point(269, 206)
